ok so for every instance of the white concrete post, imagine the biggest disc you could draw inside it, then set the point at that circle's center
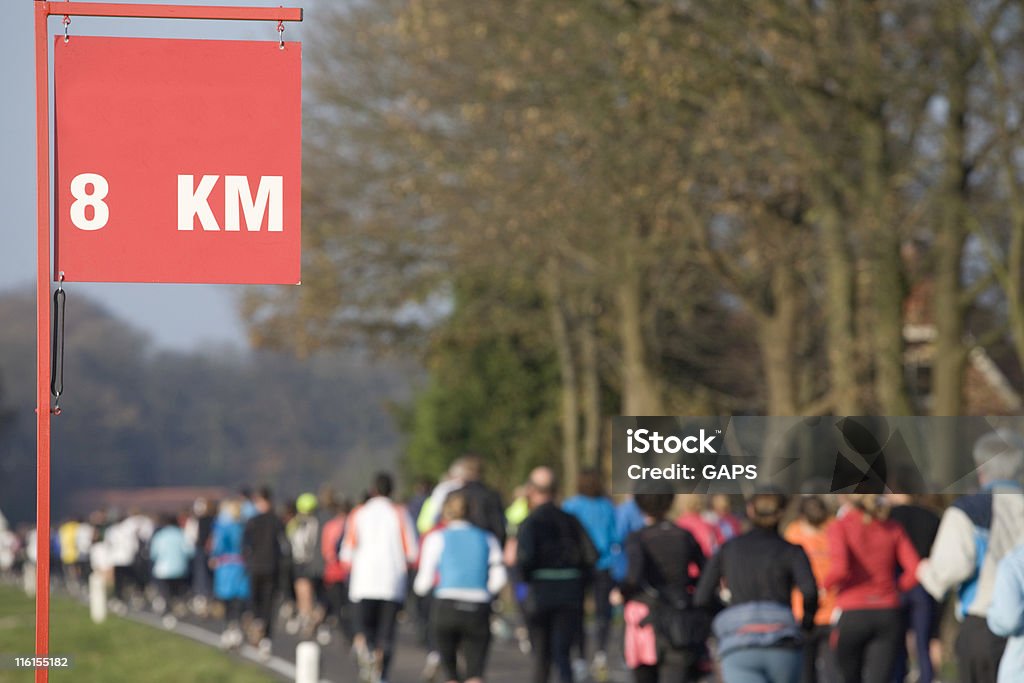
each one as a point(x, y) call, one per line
point(97, 597)
point(307, 662)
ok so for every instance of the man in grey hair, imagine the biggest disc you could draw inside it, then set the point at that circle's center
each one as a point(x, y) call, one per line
point(975, 533)
point(430, 513)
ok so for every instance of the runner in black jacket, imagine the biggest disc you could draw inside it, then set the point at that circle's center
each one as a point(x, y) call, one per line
point(555, 556)
point(758, 638)
point(486, 509)
point(664, 561)
point(262, 549)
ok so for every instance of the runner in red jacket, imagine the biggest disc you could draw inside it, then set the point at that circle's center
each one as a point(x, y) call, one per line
point(866, 549)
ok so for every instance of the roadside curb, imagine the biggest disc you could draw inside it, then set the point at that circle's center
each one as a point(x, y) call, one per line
point(280, 666)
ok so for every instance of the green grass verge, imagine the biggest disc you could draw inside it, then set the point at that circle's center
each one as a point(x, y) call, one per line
point(117, 650)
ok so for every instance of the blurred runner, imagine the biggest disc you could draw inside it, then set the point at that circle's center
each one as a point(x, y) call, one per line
point(379, 547)
point(287, 610)
point(30, 564)
point(758, 637)
point(171, 553)
point(485, 508)
point(720, 514)
point(68, 535)
point(420, 493)
point(596, 513)
point(123, 544)
point(555, 556)
point(514, 620)
point(657, 583)
point(263, 549)
point(424, 605)
point(84, 536)
point(307, 563)
point(429, 520)
point(248, 507)
point(691, 519)
point(430, 511)
point(100, 559)
point(141, 527)
point(975, 533)
point(462, 565)
point(867, 549)
point(810, 532)
point(1006, 616)
point(517, 511)
point(335, 575)
point(197, 530)
point(628, 518)
point(230, 580)
point(921, 613)
point(8, 549)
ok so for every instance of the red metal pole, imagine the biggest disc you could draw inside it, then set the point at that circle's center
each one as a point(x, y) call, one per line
point(42, 340)
point(102, 9)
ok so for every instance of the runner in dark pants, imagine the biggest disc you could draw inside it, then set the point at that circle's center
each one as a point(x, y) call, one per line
point(375, 622)
point(379, 547)
point(263, 550)
point(920, 611)
point(867, 548)
point(339, 613)
point(663, 563)
point(596, 513)
point(556, 557)
point(462, 566)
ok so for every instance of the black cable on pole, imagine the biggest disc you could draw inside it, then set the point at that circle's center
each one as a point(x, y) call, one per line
point(57, 348)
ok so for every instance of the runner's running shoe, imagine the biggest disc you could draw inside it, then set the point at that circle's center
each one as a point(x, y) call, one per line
point(599, 667)
point(432, 667)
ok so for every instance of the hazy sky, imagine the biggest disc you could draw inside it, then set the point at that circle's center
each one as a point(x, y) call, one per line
point(178, 316)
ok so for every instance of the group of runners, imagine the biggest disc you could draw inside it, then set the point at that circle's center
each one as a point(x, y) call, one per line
point(770, 589)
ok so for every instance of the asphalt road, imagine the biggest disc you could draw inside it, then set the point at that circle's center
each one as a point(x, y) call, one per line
point(506, 663)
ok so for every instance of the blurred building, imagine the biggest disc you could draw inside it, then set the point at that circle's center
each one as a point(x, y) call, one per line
point(163, 499)
point(992, 377)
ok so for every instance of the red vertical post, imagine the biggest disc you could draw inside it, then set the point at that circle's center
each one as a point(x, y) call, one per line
point(42, 339)
point(43, 270)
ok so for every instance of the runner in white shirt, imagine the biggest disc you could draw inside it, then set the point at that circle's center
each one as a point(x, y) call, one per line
point(122, 545)
point(380, 547)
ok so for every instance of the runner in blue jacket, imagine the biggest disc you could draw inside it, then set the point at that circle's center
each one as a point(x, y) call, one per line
point(596, 513)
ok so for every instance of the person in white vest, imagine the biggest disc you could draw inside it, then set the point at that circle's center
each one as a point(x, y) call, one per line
point(975, 533)
point(379, 547)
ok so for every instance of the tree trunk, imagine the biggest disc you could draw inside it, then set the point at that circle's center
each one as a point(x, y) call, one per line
point(890, 380)
point(887, 290)
point(641, 395)
point(778, 344)
point(569, 383)
point(840, 330)
point(590, 384)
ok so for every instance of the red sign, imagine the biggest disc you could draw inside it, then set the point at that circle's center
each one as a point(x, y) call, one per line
point(177, 160)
